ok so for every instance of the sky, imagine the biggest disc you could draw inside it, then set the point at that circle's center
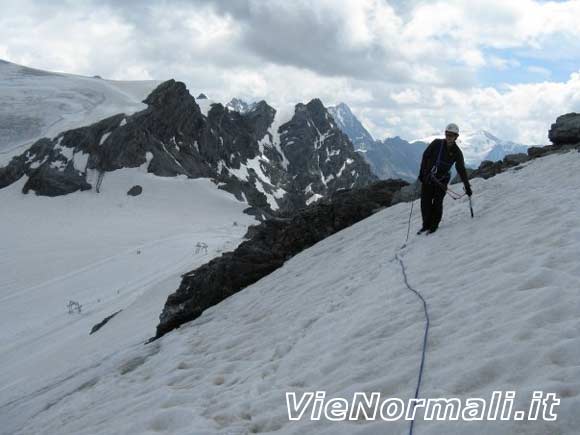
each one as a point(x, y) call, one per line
point(405, 68)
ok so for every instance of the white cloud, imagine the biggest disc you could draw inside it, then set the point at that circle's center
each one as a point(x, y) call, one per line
point(522, 113)
point(501, 63)
point(406, 96)
point(75, 41)
point(539, 70)
point(406, 73)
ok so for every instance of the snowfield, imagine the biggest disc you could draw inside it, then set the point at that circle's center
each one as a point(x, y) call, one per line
point(107, 251)
point(36, 103)
point(502, 292)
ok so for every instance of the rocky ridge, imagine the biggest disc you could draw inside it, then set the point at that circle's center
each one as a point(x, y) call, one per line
point(271, 167)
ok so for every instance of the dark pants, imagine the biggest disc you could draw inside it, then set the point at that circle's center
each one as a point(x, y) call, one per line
point(431, 205)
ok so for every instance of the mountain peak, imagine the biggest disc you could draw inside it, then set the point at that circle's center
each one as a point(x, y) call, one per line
point(316, 105)
point(344, 107)
point(351, 126)
point(239, 105)
point(169, 93)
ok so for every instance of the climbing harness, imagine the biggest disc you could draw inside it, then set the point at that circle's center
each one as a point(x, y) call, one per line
point(439, 181)
point(454, 195)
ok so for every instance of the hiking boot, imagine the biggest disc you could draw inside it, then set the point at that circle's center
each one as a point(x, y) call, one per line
point(421, 231)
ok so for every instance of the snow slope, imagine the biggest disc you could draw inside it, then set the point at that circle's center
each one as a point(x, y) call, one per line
point(502, 291)
point(36, 104)
point(108, 251)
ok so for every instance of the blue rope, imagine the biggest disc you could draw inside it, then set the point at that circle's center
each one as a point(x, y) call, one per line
point(424, 336)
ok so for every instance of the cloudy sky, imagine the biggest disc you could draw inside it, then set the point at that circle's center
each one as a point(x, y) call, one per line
point(406, 68)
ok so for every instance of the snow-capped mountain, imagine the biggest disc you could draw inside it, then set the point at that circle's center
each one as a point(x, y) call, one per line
point(238, 105)
point(481, 145)
point(267, 160)
point(501, 292)
point(504, 148)
point(388, 158)
point(351, 126)
point(36, 103)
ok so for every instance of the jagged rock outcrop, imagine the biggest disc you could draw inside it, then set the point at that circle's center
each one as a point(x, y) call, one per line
point(326, 166)
point(307, 158)
point(270, 244)
point(566, 129)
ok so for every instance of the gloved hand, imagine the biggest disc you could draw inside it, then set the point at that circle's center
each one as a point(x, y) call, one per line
point(468, 190)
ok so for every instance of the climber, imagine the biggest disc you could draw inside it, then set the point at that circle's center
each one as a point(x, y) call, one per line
point(434, 175)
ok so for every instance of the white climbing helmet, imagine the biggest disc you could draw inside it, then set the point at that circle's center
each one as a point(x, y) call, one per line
point(452, 128)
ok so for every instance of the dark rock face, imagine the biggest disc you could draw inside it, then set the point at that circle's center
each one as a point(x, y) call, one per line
point(566, 129)
point(487, 169)
point(535, 152)
point(270, 244)
point(240, 152)
point(135, 190)
point(515, 159)
point(13, 172)
point(327, 165)
point(48, 181)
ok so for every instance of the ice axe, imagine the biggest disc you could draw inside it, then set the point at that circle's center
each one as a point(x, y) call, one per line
point(470, 206)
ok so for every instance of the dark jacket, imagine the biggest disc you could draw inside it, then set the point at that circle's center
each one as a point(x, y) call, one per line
point(438, 155)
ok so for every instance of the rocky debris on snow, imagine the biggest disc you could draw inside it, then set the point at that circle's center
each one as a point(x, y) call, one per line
point(488, 169)
point(515, 159)
point(269, 245)
point(103, 322)
point(135, 190)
